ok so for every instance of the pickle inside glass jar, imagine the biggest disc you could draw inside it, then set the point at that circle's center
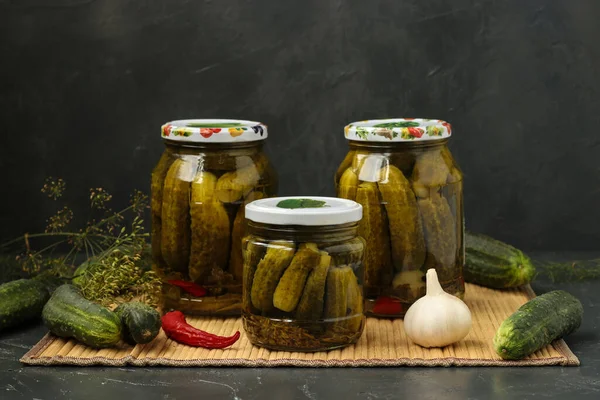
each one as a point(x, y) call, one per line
point(301, 295)
point(197, 230)
point(412, 220)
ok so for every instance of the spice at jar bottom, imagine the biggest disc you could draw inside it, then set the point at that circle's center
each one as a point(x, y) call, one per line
point(302, 285)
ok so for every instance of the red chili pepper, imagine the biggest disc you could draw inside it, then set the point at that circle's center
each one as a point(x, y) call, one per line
point(415, 132)
point(387, 306)
point(189, 287)
point(167, 130)
point(177, 329)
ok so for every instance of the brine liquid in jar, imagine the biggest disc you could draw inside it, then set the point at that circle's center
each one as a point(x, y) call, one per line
point(303, 284)
point(209, 170)
point(410, 187)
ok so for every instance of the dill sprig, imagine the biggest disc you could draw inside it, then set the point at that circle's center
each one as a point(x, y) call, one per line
point(114, 244)
point(571, 271)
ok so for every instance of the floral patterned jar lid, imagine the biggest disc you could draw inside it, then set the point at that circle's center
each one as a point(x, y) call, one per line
point(301, 210)
point(214, 131)
point(398, 130)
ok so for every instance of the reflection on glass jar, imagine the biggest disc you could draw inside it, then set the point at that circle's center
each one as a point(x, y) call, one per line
point(410, 187)
point(209, 170)
point(303, 274)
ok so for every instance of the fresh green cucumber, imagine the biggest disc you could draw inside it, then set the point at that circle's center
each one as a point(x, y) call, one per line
point(69, 314)
point(537, 323)
point(492, 263)
point(20, 301)
point(141, 322)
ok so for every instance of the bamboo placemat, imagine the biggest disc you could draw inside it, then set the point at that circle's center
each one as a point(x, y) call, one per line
point(383, 343)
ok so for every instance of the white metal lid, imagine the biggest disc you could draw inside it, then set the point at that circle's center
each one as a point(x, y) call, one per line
point(214, 131)
point(398, 130)
point(304, 210)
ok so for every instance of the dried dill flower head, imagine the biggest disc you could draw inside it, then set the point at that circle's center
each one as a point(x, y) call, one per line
point(119, 277)
point(60, 220)
point(54, 188)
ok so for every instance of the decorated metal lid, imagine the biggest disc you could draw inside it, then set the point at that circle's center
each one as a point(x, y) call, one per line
point(299, 210)
point(398, 130)
point(214, 130)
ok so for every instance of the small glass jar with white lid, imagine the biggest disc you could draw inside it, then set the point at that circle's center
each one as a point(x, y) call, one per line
point(302, 286)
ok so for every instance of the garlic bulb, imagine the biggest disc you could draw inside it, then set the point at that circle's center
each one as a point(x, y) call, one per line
point(438, 319)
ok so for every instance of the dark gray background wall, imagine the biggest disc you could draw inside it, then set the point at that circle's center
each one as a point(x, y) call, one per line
point(85, 86)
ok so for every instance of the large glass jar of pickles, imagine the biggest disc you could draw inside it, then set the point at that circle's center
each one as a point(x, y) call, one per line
point(302, 273)
point(402, 173)
point(209, 170)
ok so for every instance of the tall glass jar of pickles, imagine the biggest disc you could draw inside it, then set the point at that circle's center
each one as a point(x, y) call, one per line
point(303, 273)
point(209, 170)
point(410, 187)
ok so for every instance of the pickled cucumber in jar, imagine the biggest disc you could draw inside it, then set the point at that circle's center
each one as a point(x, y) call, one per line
point(402, 173)
point(197, 231)
point(303, 283)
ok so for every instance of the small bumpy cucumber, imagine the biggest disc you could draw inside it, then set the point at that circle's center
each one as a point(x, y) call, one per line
point(278, 256)
point(252, 256)
point(310, 307)
point(406, 229)
point(348, 185)
point(374, 229)
point(209, 228)
point(20, 301)
point(158, 177)
point(68, 314)
point(494, 264)
point(537, 323)
point(289, 289)
point(141, 322)
point(175, 212)
point(336, 294)
point(440, 236)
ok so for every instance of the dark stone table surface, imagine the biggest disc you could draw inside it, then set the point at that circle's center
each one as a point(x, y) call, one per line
point(20, 381)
